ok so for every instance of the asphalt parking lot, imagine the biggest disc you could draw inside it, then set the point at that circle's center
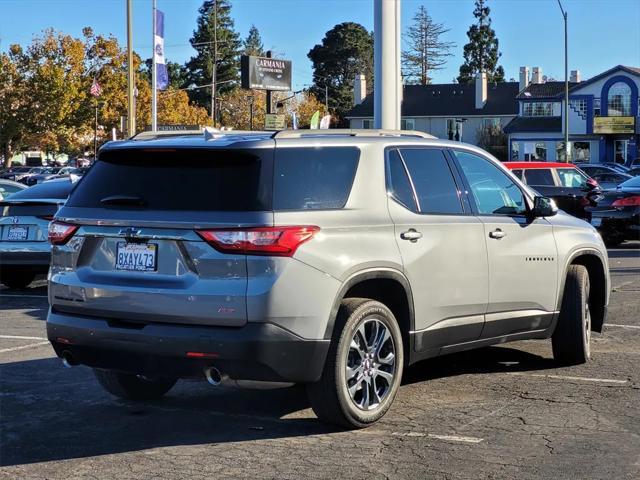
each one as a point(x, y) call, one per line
point(500, 412)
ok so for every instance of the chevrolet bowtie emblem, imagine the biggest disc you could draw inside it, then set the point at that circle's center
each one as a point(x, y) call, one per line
point(130, 232)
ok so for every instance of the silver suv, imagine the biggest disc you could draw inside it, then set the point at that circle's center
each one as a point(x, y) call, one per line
point(333, 259)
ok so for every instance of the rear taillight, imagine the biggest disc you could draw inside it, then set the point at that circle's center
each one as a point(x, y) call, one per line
point(60, 233)
point(633, 201)
point(271, 241)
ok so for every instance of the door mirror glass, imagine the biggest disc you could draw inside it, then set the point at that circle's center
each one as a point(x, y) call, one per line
point(544, 207)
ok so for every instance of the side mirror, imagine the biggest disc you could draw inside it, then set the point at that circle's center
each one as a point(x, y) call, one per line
point(592, 184)
point(544, 207)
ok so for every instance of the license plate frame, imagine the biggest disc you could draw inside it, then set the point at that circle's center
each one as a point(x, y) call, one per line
point(134, 257)
point(22, 236)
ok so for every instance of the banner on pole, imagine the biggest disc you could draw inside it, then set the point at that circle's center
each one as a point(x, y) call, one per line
point(315, 120)
point(162, 76)
point(325, 122)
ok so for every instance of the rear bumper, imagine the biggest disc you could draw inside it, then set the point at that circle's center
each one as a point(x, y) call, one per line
point(257, 351)
point(37, 259)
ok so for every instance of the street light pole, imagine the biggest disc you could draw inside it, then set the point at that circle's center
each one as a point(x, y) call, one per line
point(131, 108)
point(567, 149)
point(154, 81)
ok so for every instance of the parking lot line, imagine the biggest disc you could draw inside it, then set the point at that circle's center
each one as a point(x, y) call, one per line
point(621, 326)
point(446, 438)
point(23, 347)
point(579, 379)
point(20, 337)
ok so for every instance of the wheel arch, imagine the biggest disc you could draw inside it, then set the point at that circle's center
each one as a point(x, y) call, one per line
point(387, 286)
point(592, 260)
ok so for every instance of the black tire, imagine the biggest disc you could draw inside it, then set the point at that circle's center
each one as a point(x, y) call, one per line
point(133, 387)
point(330, 397)
point(17, 279)
point(572, 337)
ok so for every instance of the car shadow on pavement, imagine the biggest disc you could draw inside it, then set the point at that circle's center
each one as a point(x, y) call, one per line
point(494, 359)
point(50, 413)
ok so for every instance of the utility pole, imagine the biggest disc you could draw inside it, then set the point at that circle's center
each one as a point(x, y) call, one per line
point(95, 134)
point(567, 148)
point(214, 67)
point(154, 89)
point(131, 108)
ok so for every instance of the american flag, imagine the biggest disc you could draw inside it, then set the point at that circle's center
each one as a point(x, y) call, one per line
point(96, 89)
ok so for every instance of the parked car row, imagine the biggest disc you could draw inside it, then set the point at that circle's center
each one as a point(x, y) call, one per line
point(599, 193)
point(34, 175)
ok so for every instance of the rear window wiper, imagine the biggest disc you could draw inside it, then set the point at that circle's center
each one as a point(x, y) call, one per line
point(124, 200)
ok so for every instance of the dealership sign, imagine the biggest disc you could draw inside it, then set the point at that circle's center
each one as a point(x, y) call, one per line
point(262, 73)
point(614, 125)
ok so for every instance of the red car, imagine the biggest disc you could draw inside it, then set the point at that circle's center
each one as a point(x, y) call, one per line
point(570, 187)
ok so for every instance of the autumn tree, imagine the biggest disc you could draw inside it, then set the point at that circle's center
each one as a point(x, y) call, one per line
point(346, 50)
point(482, 52)
point(215, 35)
point(426, 51)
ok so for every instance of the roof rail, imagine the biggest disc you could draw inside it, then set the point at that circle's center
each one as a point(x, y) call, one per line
point(152, 135)
point(350, 132)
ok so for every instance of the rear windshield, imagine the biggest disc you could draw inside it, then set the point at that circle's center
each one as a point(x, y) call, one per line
point(219, 180)
point(180, 179)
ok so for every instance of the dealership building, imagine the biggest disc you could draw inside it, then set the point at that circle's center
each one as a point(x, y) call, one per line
point(604, 111)
point(604, 122)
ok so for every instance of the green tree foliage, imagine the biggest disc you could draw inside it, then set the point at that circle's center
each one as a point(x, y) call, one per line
point(252, 45)
point(214, 36)
point(346, 50)
point(482, 52)
point(425, 51)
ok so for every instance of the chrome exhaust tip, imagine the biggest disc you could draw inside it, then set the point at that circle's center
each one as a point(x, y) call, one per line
point(67, 359)
point(213, 376)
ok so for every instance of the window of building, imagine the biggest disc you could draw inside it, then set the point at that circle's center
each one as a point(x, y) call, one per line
point(367, 123)
point(561, 152)
point(432, 178)
point(491, 123)
point(454, 129)
point(619, 100)
point(579, 105)
point(537, 109)
point(596, 107)
point(493, 191)
point(408, 124)
point(541, 151)
point(515, 150)
point(581, 151)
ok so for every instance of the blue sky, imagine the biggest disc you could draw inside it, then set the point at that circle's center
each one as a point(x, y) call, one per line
point(602, 33)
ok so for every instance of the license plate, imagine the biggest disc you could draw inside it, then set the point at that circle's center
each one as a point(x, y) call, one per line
point(18, 233)
point(138, 257)
point(596, 221)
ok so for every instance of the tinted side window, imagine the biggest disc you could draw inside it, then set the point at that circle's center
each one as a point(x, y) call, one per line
point(518, 173)
point(399, 184)
point(313, 178)
point(539, 177)
point(493, 191)
point(433, 180)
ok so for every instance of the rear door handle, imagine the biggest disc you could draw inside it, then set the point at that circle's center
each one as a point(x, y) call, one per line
point(412, 234)
point(497, 233)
